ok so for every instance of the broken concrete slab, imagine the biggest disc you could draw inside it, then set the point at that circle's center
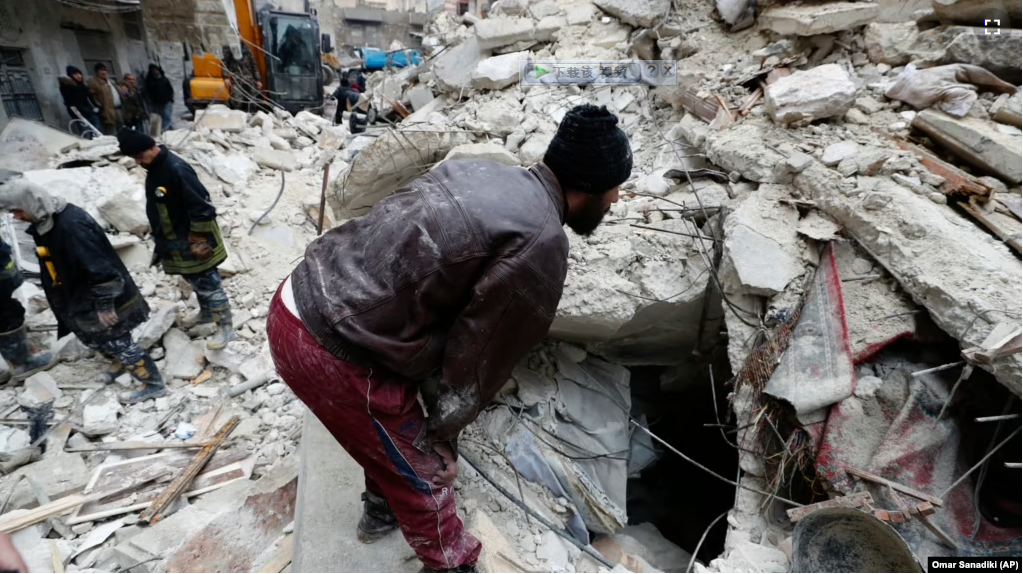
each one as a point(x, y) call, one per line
point(974, 12)
point(453, 67)
point(126, 211)
point(609, 35)
point(185, 358)
point(761, 241)
point(490, 151)
point(944, 262)
point(498, 32)
point(901, 43)
point(1009, 109)
point(329, 489)
point(976, 142)
point(227, 530)
point(822, 92)
point(99, 416)
point(419, 97)
point(275, 159)
point(500, 116)
point(548, 27)
point(531, 151)
point(811, 20)
point(153, 330)
point(58, 475)
point(643, 13)
point(741, 148)
point(498, 72)
point(891, 43)
point(218, 117)
point(838, 151)
point(392, 160)
point(235, 169)
point(580, 13)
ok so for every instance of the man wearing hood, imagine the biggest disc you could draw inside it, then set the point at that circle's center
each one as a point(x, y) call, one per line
point(185, 230)
point(161, 95)
point(76, 97)
point(19, 363)
point(88, 288)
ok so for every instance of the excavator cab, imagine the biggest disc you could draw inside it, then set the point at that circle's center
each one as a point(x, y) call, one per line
point(293, 62)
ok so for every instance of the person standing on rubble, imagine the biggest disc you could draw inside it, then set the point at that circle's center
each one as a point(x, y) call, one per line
point(459, 273)
point(106, 93)
point(19, 362)
point(184, 224)
point(86, 284)
point(136, 115)
point(161, 95)
point(77, 97)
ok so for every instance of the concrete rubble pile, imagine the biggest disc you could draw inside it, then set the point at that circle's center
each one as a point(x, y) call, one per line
point(782, 148)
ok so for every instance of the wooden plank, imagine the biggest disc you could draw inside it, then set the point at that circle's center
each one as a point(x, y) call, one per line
point(885, 482)
point(58, 564)
point(177, 487)
point(225, 467)
point(957, 181)
point(854, 500)
point(10, 524)
point(281, 558)
point(58, 436)
point(135, 445)
point(1004, 227)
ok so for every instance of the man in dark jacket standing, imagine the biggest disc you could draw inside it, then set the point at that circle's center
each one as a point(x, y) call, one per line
point(87, 286)
point(76, 97)
point(184, 223)
point(468, 281)
point(161, 95)
point(136, 115)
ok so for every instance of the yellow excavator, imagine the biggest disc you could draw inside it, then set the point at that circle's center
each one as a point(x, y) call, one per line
point(286, 50)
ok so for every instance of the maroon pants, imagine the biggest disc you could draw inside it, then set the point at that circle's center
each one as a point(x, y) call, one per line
point(376, 417)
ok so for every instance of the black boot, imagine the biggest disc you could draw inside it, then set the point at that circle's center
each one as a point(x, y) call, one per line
point(14, 348)
point(377, 519)
point(144, 372)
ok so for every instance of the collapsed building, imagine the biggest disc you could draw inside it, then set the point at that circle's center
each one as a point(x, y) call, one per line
point(807, 301)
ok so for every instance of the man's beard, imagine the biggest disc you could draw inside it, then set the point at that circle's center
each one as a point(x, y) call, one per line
point(589, 217)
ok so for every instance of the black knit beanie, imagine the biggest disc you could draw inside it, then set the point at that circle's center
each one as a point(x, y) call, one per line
point(589, 153)
point(71, 70)
point(132, 142)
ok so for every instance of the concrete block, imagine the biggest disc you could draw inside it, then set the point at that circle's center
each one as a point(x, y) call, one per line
point(126, 211)
point(976, 142)
point(548, 27)
point(741, 148)
point(283, 160)
point(218, 117)
point(235, 169)
point(973, 12)
point(420, 96)
point(454, 67)
point(580, 13)
point(39, 390)
point(890, 43)
point(533, 149)
point(99, 417)
point(185, 359)
point(821, 92)
point(643, 13)
point(153, 330)
point(761, 242)
point(498, 72)
point(811, 20)
point(497, 32)
point(836, 152)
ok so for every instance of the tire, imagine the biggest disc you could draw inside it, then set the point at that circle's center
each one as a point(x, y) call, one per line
point(328, 74)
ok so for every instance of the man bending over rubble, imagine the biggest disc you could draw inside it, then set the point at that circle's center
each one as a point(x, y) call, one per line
point(185, 230)
point(87, 286)
point(459, 273)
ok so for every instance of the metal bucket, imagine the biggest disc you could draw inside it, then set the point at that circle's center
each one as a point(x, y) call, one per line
point(849, 540)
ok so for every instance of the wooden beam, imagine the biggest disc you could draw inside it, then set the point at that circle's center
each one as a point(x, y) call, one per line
point(1002, 226)
point(957, 181)
point(885, 482)
point(281, 558)
point(135, 445)
point(154, 513)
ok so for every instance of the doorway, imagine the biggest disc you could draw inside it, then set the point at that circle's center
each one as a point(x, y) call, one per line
point(16, 91)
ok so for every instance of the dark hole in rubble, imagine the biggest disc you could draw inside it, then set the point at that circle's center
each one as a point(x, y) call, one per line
point(678, 498)
point(76, 163)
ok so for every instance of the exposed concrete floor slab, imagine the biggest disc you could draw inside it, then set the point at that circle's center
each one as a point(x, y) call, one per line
point(328, 509)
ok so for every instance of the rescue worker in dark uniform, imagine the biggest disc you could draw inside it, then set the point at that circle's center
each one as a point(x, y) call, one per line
point(184, 223)
point(88, 288)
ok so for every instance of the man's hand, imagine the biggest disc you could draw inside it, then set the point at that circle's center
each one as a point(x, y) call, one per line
point(10, 560)
point(449, 473)
point(108, 318)
point(198, 247)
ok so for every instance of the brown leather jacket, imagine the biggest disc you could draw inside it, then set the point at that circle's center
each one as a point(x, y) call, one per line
point(459, 272)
